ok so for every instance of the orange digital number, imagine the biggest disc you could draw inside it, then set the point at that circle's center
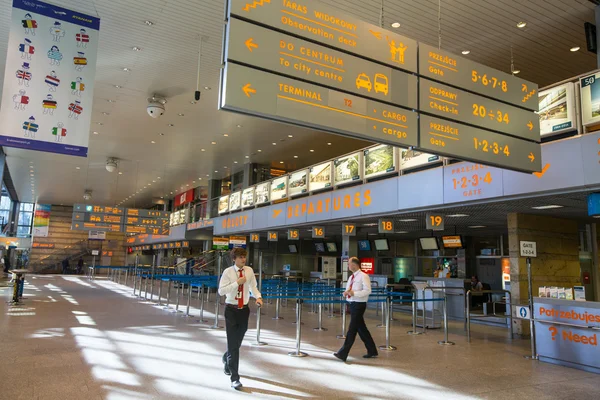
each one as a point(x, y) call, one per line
point(294, 234)
point(319, 232)
point(349, 228)
point(436, 220)
point(387, 225)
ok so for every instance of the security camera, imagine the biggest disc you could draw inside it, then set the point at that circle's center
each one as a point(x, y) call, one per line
point(111, 165)
point(156, 106)
point(87, 195)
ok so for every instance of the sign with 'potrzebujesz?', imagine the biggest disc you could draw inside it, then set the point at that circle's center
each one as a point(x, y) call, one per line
point(49, 79)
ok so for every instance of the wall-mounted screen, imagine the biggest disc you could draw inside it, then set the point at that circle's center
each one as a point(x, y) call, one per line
point(331, 247)
point(347, 169)
point(380, 160)
point(557, 110)
point(235, 201)
point(364, 245)
point(263, 193)
point(381, 244)
point(590, 99)
point(293, 248)
point(410, 159)
point(320, 247)
point(248, 197)
point(452, 242)
point(320, 177)
point(223, 204)
point(279, 188)
point(429, 243)
point(298, 182)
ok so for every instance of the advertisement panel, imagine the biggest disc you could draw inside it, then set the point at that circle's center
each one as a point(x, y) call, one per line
point(279, 188)
point(380, 160)
point(298, 182)
point(223, 204)
point(347, 169)
point(220, 243)
point(183, 198)
point(320, 177)
point(248, 197)
point(557, 110)
point(367, 265)
point(49, 79)
point(590, 99)
point(263, 193)
point(235, 201)
point(237, 242)
point(41, 220)
point(411, 159)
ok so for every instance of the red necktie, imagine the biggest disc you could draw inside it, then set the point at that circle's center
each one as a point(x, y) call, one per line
point(241, 292)
point(351, 282)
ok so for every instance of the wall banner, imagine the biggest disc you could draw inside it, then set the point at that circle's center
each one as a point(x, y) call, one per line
point(49, 79)
point(41, 220)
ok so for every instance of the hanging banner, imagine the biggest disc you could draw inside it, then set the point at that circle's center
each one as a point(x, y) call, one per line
point(49, 79)
point(41, 220)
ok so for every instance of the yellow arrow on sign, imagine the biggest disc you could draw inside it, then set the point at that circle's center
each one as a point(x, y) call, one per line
point(251, 45)
point(531, 157)
point(276, 213)
point(248, 90)
point(530, 125)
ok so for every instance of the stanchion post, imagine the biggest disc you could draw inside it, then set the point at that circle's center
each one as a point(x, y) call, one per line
point(201, 305)
point(388, 346)
point(166, 307)
point(219, 266)
point(160, 284)
point(383, 322)
point(277, 306)
point(178, 296)
point(146, 288)
point(343, 305)
point(469, 316)
point(258, 342)
point(320, 327)
point(414, 316)
point(531, 313)
point(445, 342)
point(189, 299)
point(298, 353)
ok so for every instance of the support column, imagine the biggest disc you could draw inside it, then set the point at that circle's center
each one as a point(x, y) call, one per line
point(596, 260)
point(557, 262)
point(214, 191)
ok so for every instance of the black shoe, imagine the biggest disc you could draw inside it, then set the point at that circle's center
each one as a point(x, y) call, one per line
point(226, 369)
point(237, 385)
point(336, 355)
point(371, 355)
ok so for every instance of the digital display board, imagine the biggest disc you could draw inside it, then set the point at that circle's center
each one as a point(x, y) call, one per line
point(87, 208)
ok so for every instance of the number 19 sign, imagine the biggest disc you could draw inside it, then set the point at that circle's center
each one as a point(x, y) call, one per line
point(435, 222)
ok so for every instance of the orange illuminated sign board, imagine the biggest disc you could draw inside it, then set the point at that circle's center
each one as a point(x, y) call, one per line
point(43, 245)
point(452, 242)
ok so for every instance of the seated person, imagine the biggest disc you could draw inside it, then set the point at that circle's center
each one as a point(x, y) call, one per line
point(476, 286)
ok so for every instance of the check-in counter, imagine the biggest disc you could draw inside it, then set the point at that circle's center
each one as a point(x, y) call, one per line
point(567, 331)
point(455, 294)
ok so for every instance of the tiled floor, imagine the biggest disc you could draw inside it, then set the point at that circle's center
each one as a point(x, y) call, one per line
point(76, 339)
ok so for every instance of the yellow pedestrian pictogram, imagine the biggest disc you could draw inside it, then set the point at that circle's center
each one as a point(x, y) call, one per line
point(363, 81)
point(396, 52)
point(381, 84)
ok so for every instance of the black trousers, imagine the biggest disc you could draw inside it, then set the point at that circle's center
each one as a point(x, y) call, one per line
point(357, 325)
point(236, 325)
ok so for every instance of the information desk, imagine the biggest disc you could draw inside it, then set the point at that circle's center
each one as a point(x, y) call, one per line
point(566, 332)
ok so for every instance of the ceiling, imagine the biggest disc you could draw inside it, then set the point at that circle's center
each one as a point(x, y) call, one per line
point(167, 65)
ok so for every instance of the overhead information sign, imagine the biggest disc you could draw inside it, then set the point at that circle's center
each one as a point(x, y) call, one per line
point(464, 73)
point(113, 219)
point(461, 106)
point(97, 209)
point(135, 212)
point(146, 230)
point(147, 221)
point(92, 217)
point(284, 99)
point(269, 50)
point(95, 226)
point(468, 143)
point(316, 21)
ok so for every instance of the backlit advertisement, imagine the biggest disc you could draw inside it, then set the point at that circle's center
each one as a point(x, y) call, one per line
point(320, 177)
point(347, 169)
point(235, 201)
point(223, 204)
point(590, 99)
point(263, 193)
point(248, 197)
point(557, 110)
point(380, 160)
point(410, 159)
point(279, 188)
point(298, 183)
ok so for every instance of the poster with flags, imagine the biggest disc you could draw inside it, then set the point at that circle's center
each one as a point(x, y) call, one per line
point(49, 79)
point(41, 220)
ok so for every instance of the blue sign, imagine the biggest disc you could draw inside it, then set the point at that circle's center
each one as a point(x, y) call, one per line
point(594, 204)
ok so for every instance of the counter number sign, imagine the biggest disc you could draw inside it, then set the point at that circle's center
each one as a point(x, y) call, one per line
point(435, 222)
point(293, 234)
point(272, 236)
point(348, 230)
point(318, 232)
point(528, 249)
point(254, 238)
point(386, 225)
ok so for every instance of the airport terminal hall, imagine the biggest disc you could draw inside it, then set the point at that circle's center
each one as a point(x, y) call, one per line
point(299, 199)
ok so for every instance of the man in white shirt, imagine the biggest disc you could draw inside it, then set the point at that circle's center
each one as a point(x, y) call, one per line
point(237, 282)
point(358, 289)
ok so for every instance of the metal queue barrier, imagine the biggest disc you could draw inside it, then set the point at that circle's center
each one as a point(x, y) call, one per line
point(507, 315)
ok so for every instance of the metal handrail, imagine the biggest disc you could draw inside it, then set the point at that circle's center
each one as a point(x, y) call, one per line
point(508, 316)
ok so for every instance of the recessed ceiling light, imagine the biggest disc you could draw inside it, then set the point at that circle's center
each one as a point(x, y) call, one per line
point(281, 162)
point(226, 135)
point(207, 175)
point(126, 69)
point(247, 156)
point(153, 181)
point(111, 101)
point(477, 226)
point(206, 88)
point(120, 173)
point(216, 171)
point(135, 48)
point(99, 123)
point(311, 150)
point(516, 71)
point(402, 232)
point(105, 113)
point(171, 192)
point(548, 207)
point(193, 181)
point(213, 142)
point(239, 126)
point(181, 115)
point(95, 133)
point(274, 144)
point(188, 185)
point(171, 125)
point(396, 25)
point(290, 136)
point(30, 174)
point(521, 25)
point(295, 156)
point(574, 49)
point(235, 162)
point(202, 149)
point(328, 144)
point(152, 141)
point(457, 215)
point(259, 150)
point(465, 52)
point(225, 167)
point(149, 23)
point(77, 167)
point(409, 220)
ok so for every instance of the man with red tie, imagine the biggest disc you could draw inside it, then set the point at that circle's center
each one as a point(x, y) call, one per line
point(237, 282)
point(358, 289)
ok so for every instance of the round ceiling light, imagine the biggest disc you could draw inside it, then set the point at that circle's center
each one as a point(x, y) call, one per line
point(396, 25)
point(521, 24)
point(574, 49)
point(465, 52)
